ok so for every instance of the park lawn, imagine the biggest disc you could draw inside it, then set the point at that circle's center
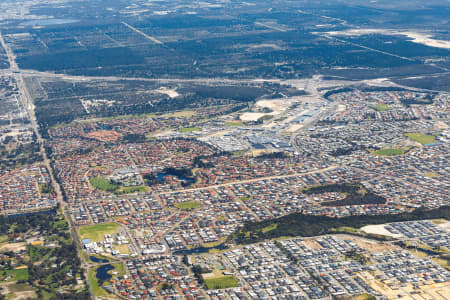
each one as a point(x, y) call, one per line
point(421, 138)
point(389, 152)
point(190, 129)
point(131, 189)
point(96, 233)
point(119, 268)
point(269, 228)
point(188, 205)
point(4, 238)
point(381, 107)
point(365, 296)
point(223, 282)
point(103, 184)
point(16, 274)
point(96, 288)
point(245, 198)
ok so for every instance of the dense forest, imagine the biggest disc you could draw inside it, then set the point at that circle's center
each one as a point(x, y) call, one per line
point(298, 224)
point(51, 269)
point(22, 155)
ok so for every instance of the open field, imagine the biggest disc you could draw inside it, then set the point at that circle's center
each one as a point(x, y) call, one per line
point(103, 184)
point(221, 282)
point(123, 249)
point(15, 274)
point(188, 205)
point(381, 107)
point(421, 138)
point(18, 291)
point(97, 232)
point(389, 152)
point(234, 123)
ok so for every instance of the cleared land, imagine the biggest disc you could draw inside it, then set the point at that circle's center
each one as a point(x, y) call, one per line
point(379, 230)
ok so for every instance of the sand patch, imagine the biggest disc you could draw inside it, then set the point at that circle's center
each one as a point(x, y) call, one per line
point(341, 108)
point(312, 244)
point(415, 37)
point(251, 116)
point(444, 225)
point(14, 247)
point(294, 128)
point(379, 229)
point(441, 125)
point(273, 46)
point(371, 246)
point(172, 93)
point(275, 105)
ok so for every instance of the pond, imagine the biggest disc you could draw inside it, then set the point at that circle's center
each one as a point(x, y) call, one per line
point(97, 259)
point(102, 272)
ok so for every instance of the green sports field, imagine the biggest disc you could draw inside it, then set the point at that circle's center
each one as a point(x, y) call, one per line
point(97, 232)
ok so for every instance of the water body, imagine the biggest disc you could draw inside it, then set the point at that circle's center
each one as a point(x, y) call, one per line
point(102, 272)
point(161, 176)
point(200, 250)
point(48, 22)
point(98, 260)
